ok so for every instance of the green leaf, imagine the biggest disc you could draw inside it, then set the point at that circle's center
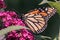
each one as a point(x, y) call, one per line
point(42, 37)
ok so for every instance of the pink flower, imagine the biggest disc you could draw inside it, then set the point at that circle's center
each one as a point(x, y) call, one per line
point(12, 36)
point(27, 35)
point(4, 19)
point(3, 14)
point(10, 18)
point(22, 38)
point(19, 22)
point(6, 24)
point(23, 34)
point(13, 14)
point(2, 4)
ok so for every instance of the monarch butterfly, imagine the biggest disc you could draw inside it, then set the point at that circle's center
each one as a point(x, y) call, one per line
point(36, 19)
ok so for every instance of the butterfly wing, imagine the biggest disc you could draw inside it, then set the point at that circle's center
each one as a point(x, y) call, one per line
point(35, 22)
point(47, 12)
point(50, 11)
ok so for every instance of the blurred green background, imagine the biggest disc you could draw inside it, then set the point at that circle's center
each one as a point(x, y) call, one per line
point(23, 6)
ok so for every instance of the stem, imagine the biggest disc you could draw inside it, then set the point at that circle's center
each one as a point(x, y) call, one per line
point(8, 29)
point(2, 37)
point(2, 9)
point(44, 37)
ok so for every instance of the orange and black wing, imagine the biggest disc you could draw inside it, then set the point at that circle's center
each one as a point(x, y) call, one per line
point(47, 12)
point(35, 21)
point(50, 11)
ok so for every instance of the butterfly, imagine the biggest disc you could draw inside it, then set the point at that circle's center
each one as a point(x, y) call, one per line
point(37, 19)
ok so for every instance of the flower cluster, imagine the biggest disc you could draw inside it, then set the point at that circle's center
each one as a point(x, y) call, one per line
point(10, 18)
point(22, 34)
point(2, 4)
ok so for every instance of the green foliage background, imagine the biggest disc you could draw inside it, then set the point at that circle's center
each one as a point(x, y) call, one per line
point(23, 6)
